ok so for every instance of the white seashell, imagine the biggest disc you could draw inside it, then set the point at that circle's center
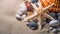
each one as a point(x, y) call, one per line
point(23, 16)
point(54, 30)
point(27, 22)
point(18, 16)
point(54, 23)
point(20, 12)
point(23, 7)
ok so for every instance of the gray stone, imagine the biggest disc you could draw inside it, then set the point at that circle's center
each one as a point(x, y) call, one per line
point(54, 23)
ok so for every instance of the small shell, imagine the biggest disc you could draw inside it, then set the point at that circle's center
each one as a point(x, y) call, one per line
point(20, 12)
point(23, 16)
point(54, 30)
point(23, 7)
point(18, 17)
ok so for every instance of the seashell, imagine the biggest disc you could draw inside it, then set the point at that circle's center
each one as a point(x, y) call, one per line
point(54, 30)
point(18, 17)
point(23, 7)
point(20, 12)
point(55, 8)
point(23, 16)
point(29, 6)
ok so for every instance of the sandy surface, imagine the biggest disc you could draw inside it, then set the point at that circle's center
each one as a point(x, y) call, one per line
point(8, 22)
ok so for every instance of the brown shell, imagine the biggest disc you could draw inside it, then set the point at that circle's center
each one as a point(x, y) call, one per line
point(56, 6)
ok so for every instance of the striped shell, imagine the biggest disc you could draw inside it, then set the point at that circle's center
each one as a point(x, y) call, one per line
point(56, 6)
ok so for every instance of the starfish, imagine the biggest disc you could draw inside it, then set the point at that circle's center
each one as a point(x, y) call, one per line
point(40, 11)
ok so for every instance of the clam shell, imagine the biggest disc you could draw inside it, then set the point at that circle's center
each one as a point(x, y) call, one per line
point(18, 17)
point(23, 16)
point(54, 30)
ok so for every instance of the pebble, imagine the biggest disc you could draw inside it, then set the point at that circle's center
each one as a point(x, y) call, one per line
point(54, 23)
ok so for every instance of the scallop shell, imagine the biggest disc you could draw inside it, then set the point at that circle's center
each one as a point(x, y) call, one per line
point(56, 6)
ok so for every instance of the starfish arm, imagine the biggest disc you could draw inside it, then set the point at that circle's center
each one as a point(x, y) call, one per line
point(48, 16)
point(48, 7)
